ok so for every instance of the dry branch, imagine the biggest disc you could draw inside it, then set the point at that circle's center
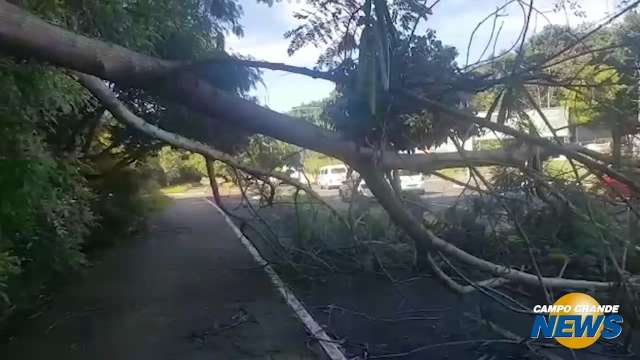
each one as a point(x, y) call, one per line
point(425, 239)
point(312, 73)
point(462, 289)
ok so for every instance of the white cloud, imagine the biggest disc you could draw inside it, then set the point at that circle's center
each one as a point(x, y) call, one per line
point(274, 51)
point(269, 44)
point(263, 40)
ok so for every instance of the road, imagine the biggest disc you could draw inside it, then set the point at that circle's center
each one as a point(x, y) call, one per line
point(439, 194)
point(187, 290)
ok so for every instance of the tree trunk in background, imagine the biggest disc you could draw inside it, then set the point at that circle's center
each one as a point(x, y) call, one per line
point(93, 128)
point(616, 145)
point(573, 138)
point(211, 172)
point(394, 180)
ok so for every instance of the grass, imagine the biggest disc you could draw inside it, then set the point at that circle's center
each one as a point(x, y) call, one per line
point(456, 173)
point(225, 188)
point(176, 189)
point(156, 201)
point(314, 161)
point(561, 168)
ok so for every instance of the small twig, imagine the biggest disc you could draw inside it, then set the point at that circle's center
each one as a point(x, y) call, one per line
point(446, 344)
point(332, 307)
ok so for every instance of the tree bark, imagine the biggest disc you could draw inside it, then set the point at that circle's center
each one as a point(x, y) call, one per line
point(616, 145)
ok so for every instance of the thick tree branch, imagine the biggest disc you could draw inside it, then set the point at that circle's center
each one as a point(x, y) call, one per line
point(27, 35)
point(24, 34)
point(462, 289)
point(576, 152)
point(426, 240)
point(316, 74)
point(213, 182)
point(121, 113)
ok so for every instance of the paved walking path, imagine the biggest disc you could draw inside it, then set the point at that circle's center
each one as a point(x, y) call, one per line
point(187, 290)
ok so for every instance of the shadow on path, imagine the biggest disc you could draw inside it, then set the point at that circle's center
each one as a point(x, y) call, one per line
point(187, 290)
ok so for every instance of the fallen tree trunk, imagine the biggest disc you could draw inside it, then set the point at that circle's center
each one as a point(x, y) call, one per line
point(124, 115)
point(23, 34)
point(423, 238)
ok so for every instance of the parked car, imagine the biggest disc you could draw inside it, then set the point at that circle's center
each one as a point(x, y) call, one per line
point(332, 176)
point(410, 181)
point(293, 173)
point(615, 188)
point(603, 147)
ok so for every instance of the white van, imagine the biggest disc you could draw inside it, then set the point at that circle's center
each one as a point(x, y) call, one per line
point(332, 176)
point(411, 181)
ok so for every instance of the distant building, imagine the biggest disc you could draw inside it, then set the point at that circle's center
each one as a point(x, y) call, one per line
point(597, 138)
point(557, 120)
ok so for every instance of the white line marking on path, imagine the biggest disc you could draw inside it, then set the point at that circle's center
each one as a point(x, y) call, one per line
point(330, 348)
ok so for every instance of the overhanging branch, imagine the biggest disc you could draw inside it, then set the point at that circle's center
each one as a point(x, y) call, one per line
point(122, 114)
point(300, 70)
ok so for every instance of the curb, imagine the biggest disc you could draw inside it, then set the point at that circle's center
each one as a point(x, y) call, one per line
point(330, 348)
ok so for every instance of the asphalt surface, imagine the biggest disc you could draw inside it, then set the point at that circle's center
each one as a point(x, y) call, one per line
point(187, 290)
point(439, 194)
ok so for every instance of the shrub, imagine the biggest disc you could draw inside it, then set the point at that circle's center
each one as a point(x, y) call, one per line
point(45, 215)
point(180, 166)
point(48, 210)
point(123, 200)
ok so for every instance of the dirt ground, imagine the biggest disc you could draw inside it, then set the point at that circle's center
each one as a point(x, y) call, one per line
point(416, 317)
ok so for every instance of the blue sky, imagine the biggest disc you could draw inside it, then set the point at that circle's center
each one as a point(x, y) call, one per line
point(454, 21)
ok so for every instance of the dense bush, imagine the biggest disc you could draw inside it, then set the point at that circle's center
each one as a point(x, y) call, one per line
point(50, 212)
point(122, 201)
point(68, 170)
point(45, 215)
point(179, 166)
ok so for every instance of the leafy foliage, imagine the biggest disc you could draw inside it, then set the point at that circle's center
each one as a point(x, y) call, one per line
point(180, 166)
point(46, 212)
point(594, 79)
point(67, 169)
point(387, 56)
